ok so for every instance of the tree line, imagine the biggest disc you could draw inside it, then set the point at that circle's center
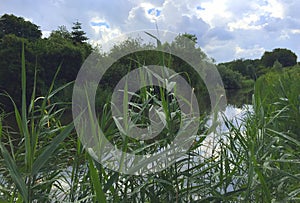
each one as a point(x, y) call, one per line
point(68, 50)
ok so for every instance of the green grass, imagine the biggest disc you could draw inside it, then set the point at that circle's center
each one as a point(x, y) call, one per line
point(258, 161)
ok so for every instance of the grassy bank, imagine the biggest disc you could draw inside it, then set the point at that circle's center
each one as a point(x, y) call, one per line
point(43, 161)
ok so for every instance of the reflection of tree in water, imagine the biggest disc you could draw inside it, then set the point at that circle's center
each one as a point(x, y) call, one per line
point(236, 98)
point(203, 102)
point(239, 97)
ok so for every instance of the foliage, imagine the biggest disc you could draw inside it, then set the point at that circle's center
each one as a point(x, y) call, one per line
point(10, 24)
point(10, 54)
point(248, 68)
point(61, 32)
point(276, 145)
point(181, 42)
point(78, 35)
point(231, 79)
point(42, 160)
point(45, 55)
point(282, 95)
point(154, 56)
point(27, 157)
point(256, 161)
point(284, 56)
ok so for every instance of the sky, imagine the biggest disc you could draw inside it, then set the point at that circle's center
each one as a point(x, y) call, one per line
point(226, 29)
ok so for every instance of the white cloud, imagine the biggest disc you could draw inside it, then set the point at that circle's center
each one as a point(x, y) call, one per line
point(247, 23)
point(99, 24)
point(274, 8)
point(215, 12)
point(226, 29)
point(295, 31)
point(146, 10)
point(251, 52)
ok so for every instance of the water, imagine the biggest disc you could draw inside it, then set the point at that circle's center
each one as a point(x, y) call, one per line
point(239, 102)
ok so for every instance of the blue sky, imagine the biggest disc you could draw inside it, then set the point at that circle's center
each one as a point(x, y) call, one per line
point(226, 29)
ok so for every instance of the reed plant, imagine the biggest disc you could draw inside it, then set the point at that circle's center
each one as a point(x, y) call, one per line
point(29, 168)
point(255, 160)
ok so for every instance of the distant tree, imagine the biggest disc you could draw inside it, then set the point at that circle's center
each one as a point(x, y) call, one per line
point(186, 45)
point(231, 79)
point(191, 37)
point(247, 67)
point(284, 56)
point(239, 65)
point(57, 50)
point(78, 35)
point(10, 24)
point(181, 40)
point(61, 32)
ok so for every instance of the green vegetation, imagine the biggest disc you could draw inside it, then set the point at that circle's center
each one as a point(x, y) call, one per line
point(42, 160)
point(283, 56)
point(70, 48)
point(45, 55)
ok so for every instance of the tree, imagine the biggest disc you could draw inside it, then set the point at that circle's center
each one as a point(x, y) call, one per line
point(284, 56)
point(61, 32)
point(10, 24)
point(181, 40)
point(78, 35)
point(186, 45)
point(231, 79)
point(10, 68)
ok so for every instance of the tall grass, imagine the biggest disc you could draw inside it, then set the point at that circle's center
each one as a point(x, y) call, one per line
point(255, 161)
point(28, 152)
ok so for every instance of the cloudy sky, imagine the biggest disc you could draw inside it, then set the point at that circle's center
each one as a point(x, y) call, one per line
point(226, 29)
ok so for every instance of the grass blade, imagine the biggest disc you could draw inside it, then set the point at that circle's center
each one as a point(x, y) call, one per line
point(14, 172)
point(47, 153)
point(100, 196)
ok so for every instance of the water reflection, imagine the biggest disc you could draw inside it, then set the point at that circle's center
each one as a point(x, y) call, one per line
point(235, 99)
point(239, 98)
point(239, 103)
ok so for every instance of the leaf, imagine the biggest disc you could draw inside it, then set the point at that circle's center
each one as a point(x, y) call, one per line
point(158, 42)
point(113, 179)
point(100, 196)
point(14, 172)
point(23, 121)
point(47, 153)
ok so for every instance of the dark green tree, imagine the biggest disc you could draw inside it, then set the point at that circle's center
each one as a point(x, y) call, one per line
point(78, 35)
point(231, 79)
point(247, 67)
point(10, 24)
point(10, 68)
point(43, 55)
point(284, 56)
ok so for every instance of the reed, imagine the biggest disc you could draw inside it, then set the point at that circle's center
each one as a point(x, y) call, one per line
point(254, 161)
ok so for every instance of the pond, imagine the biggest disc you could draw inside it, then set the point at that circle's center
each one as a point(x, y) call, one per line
point(239, 102)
